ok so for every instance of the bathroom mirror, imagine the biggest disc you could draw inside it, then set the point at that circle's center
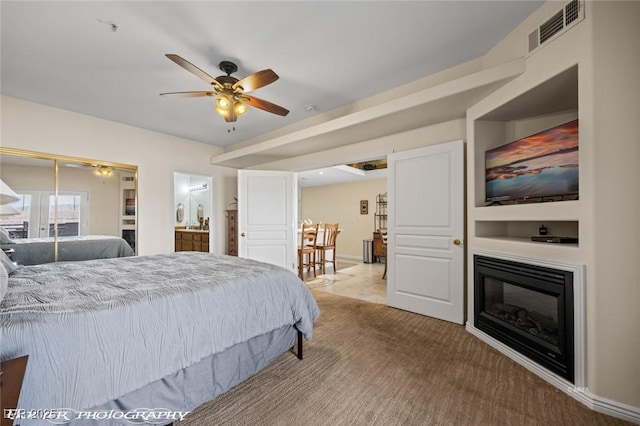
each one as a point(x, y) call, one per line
point(192, 207)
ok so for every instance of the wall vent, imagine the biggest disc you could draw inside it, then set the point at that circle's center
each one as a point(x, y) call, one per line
point(127, 178)
point(561, 21)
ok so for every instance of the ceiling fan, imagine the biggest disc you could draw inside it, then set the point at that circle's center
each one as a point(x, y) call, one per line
point(100, 169)
point(229, 92)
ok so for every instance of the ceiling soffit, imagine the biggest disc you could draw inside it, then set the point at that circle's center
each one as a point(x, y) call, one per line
point(443, 102)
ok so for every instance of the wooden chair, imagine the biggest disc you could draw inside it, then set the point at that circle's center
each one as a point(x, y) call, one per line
point(383, 234)
point(328, 243)
point(308, 238)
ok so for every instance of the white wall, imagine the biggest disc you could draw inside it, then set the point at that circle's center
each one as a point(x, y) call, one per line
point(36, 127)
point(616, 201)
point(340, 203)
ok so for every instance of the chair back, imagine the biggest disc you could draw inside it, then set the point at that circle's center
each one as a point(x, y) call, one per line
point(309, 235)
point(330, 235)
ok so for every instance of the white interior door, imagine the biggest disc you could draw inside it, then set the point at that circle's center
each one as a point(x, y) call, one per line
point(425, 231)
point(267, 203)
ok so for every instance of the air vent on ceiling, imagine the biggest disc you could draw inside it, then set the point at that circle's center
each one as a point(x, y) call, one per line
point(561, 21)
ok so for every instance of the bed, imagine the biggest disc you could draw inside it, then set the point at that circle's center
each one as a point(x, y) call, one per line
point(166, 331)
point(35, 251)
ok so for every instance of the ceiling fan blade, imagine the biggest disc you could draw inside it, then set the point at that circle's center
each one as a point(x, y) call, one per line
point(193, 69)
point(265, 105)
point(198, 94)
point(256, 80)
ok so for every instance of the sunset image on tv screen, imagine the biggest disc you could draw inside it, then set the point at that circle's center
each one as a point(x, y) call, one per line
point(540, 165)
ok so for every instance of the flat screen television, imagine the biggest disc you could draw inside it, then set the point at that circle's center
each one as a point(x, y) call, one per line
point(536, 167)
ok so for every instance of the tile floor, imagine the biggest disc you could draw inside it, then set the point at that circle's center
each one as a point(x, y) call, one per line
point(353, 279)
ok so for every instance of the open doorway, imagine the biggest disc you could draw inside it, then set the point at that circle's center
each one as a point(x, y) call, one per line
point(425, 227)
point(354, 196)
point(192, 208)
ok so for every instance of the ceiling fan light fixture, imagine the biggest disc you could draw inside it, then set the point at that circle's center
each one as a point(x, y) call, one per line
point(222, 103)
point(239, 107)
point(104, 171)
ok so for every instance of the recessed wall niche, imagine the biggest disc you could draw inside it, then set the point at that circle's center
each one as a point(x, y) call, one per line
point(549, 104)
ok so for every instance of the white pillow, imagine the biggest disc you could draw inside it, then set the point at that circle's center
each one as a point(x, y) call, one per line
point(4, 237)
point(9, 266)
point(4, 282)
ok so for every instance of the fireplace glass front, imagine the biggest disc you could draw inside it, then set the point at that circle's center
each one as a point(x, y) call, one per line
point(527, 307)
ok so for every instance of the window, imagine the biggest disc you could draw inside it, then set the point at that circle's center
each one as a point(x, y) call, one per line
point(34, 214)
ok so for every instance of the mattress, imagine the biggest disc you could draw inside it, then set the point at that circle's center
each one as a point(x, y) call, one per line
point(35, 251)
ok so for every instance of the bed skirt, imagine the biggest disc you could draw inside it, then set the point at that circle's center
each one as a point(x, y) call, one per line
point(193, 386)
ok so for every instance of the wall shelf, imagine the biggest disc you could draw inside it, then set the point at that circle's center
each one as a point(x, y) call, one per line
point(380, 216)
point(522, 231)
point(128, 209)
point(562, 210)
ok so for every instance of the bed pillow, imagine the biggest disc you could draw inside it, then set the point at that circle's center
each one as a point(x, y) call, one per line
point(4, 282)
point(4, 237)
point(8, 265)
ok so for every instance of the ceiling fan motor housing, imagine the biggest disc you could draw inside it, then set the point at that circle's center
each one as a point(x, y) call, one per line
point(227, 81)
point(228, 67)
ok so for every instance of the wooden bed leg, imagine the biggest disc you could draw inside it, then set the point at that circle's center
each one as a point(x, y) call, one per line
point(299, 344)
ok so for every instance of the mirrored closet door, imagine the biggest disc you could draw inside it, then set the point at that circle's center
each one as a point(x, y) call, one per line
point(52, 198)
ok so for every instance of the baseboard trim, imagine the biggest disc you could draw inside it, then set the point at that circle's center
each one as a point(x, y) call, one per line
point(349, 256)
point(594, 402)
point(614, 408)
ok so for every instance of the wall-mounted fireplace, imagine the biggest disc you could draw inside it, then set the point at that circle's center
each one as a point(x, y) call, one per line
point(529, 308)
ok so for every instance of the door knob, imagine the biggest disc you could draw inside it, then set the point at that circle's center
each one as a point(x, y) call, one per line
point(242, 235)
point(456, 242)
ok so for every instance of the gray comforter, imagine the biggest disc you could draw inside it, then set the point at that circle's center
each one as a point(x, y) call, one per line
point(35, 251)
point(98, 329)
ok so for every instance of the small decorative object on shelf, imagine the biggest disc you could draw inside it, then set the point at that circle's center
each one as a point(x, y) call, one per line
point(130, 207)
point(542, 230)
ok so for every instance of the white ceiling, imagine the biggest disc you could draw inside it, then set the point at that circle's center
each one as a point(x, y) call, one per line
point(327, 54)
point(337, 174)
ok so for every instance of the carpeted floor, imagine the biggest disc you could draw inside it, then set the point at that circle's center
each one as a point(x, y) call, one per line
point(369, 364)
